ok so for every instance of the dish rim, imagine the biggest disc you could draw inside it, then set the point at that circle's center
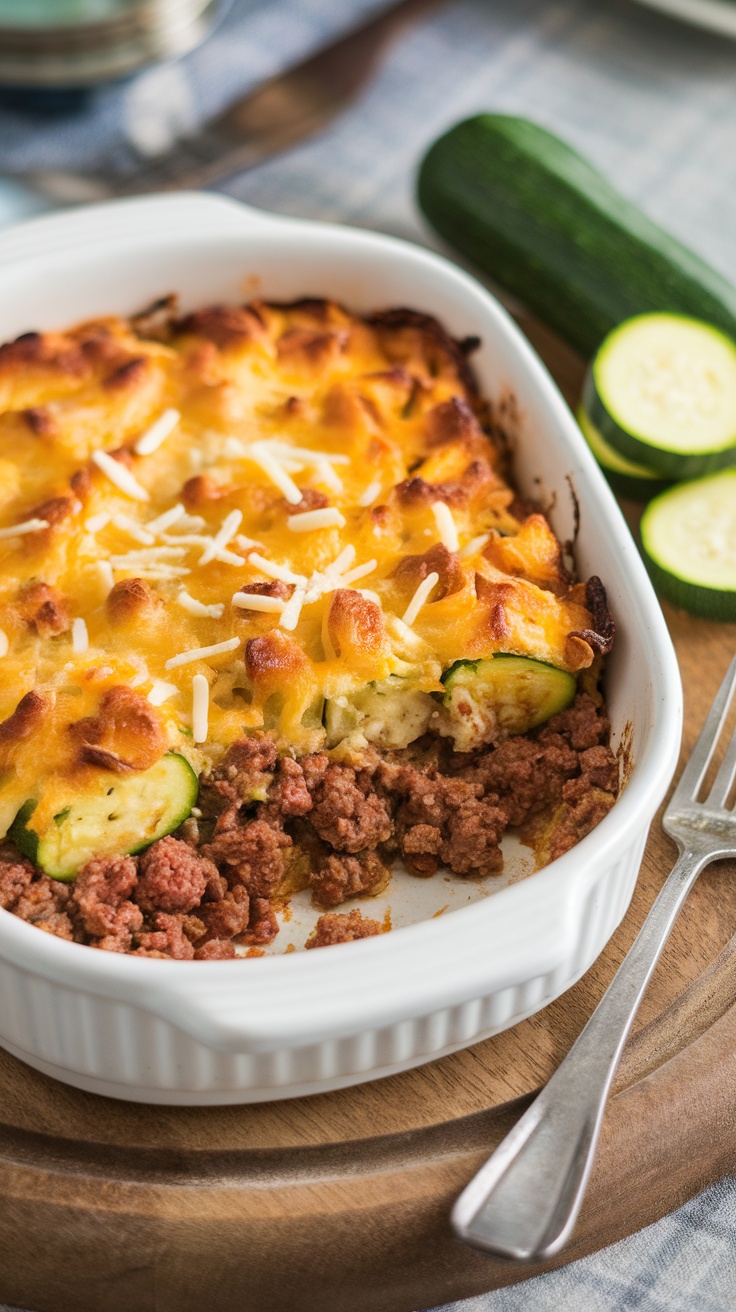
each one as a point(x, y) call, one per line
point(338, 990)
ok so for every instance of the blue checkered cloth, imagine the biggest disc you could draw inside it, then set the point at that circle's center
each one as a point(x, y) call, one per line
point(654, 104)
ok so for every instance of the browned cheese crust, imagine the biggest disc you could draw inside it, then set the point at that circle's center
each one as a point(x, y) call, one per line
point(121, 555)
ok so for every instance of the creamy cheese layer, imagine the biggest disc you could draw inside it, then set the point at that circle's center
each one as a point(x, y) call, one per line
point(238, 516)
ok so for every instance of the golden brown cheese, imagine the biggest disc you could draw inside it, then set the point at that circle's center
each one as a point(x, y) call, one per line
point(369, 427)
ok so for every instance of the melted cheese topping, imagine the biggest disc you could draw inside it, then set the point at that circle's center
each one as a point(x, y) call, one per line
point(150, 484)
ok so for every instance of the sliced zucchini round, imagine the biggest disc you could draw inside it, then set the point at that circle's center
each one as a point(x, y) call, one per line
point(689, 539)
point(662, 392)
point(494, 697)
point(637, 482)
point(118, 814)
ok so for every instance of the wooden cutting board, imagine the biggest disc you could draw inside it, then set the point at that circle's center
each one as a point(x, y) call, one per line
point(341, 1201)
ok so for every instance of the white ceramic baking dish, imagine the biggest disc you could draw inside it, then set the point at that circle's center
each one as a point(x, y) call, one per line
point(284, 1025)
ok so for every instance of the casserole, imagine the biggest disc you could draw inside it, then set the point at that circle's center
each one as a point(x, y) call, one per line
point(199, 1033)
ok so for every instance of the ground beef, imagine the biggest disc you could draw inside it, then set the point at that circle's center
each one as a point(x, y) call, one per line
point(342, 928)
point(524, 775)
point(342, 877)
point(262, 925)
point(101, 894)
point(289, 794)
point(228, 917)
point(600, 766)
point(253, 855)
point(214, 885)
point(166, 939)
point(44, 904)
point(243, 775)
point(348, 813)
point(446, 821)
point(584, 724)
point(584, 808)
point(15, 876)
point(172, 877)
point(215, 949)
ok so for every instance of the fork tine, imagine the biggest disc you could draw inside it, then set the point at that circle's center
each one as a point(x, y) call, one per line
point(695, 770)
point(724, 779)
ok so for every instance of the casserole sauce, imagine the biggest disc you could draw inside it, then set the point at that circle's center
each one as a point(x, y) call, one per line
point(273, 548)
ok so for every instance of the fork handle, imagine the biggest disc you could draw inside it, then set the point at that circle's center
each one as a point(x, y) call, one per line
point(524, 1202)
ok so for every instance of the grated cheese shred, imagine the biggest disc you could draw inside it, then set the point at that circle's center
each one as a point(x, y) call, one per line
point(157, 433)
point(200, 708)
point(201, 653)
point(117, 473)
point(420, 597)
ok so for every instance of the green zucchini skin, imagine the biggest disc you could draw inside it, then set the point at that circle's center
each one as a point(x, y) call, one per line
point(672, 460)
point(696, 595)
point(633, 481)
point(549, 228)
point(146, 807)
point(502, 695)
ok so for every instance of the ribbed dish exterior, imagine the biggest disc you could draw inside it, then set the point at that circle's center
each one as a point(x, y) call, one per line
point(123, 1051)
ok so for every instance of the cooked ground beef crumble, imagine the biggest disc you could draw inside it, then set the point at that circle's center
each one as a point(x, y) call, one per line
point(331, 826)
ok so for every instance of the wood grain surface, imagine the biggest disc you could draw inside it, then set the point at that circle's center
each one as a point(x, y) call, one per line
point(340, 1203)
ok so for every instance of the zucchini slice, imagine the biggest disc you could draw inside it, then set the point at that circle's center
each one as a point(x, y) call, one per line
point(492, 698)
point(689, 539)
point(118, 815)
point(637, 482)
point(549, 227)
point(388, 712)
point(662, 391)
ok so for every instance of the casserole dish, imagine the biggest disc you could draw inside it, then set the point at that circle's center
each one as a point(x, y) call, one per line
point(214, 1032)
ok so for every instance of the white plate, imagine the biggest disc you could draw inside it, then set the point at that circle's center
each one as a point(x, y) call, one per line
point(209, 1032)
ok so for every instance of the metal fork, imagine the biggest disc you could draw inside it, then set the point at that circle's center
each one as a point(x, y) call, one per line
point(278, 114)
point(524, 1202)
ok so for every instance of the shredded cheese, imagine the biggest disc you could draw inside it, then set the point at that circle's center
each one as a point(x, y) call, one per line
point(97, 522)
point(194, 607)
point(270, 466)
point(254, 601)
point(130, 526)
point(161, 692)
point(344, 560)
point(105, 575)
point(445, 525)
point(274, 571)
point(474, 546)
point(359, 572)
point(227, 530)
point(419, 598)
point(200, 708)
point(201, 653)
point(371, 492)
point(327, 517)
point(163, 522)
point(157, 433)
point(120, 476)
point(326, 474)
point(292, 610)
point(80, 637)
point(27, 526)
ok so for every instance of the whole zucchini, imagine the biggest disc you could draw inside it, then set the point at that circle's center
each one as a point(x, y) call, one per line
point(550, 228)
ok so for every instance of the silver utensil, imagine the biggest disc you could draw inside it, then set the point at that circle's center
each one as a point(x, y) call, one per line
point(524, 1202)
point(278, 114)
